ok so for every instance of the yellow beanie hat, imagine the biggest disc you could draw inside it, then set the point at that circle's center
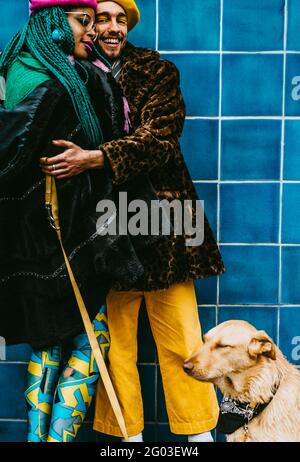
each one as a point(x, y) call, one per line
point(131, 10)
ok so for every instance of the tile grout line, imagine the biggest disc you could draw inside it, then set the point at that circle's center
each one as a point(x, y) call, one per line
point(228, 52)
point(240, 305)
point(219, 150)
point(13, 420)
point(156, 24)
point(248, 181)
point(220, 121)
point(282, 152)
point(250, 305)
point(5, 362)
point(261, 244)
point(248, 117)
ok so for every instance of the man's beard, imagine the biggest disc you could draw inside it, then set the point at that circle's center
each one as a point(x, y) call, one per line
point(110, 55)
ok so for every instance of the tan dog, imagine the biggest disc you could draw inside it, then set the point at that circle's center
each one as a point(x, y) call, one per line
point(248, 368)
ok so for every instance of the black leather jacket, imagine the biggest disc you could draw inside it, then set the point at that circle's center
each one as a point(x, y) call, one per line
point(36, 299)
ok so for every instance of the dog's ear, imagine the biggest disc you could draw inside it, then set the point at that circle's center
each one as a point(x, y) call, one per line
point(261, 344)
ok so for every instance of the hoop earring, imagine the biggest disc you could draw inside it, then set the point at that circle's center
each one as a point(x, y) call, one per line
point(58, 35)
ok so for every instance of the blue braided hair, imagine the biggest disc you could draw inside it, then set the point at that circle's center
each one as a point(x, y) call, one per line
point(36, 35)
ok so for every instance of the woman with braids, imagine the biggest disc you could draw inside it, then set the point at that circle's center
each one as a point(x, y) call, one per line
point(48, 97)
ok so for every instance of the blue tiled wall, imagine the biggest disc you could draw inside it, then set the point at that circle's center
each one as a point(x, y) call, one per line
point(240, 73)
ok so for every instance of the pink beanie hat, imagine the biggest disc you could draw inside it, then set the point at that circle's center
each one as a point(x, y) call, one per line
point(35, 4)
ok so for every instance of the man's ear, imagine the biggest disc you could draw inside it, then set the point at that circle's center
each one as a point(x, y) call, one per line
point(262, 344)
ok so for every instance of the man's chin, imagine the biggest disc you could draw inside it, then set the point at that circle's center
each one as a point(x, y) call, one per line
point(111, 54)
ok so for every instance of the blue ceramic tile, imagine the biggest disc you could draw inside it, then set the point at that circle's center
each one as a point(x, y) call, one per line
point(164, 435)
point(199, 82)
point(251, 276)
point(207, 318)
point(262, 317)
point(292, 150)
point(246, 28)
point(13, 432)
point(14, 15)
point(146, 345)
point(289, 341)
point(208, 193)
point(220, 438)
point(250, 150)
point(149, 433)
point(144, 33)
point(249, 212)
point(213, 433)
point(91, 411)
point(252, 85)
point(147, 378)
point(12, 386)
point(290, 275)
point(162, 415)
point(292, 87)
point(102, 438)
point(86, 434)
point(291, 214)
point(293, 33)
point(21, 352)
point(195, 28)
point(206, 290)
point(200, 148)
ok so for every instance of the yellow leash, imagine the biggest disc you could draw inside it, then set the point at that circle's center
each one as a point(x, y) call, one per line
point(51, 202)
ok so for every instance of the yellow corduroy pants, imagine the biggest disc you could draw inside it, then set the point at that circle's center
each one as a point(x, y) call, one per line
point(173, 315)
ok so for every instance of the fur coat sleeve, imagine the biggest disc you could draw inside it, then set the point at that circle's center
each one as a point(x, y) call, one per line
point(155, 139)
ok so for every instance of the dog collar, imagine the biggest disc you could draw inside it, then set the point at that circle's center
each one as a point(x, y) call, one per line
point(234, 414)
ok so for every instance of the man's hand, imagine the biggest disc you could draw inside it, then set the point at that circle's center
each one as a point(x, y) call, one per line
point(72, 161)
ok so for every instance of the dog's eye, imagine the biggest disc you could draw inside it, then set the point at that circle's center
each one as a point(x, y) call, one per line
point(220, 345)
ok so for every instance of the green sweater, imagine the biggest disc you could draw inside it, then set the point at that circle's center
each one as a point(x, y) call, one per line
point(24, 75)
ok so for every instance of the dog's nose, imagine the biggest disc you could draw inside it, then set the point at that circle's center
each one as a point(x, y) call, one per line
point(188, 366)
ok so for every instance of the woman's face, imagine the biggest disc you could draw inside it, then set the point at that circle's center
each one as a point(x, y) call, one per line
point(81, 20)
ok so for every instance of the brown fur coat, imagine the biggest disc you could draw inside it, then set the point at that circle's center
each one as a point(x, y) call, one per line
point(151, 86)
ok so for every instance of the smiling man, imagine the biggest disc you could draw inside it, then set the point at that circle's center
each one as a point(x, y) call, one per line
point(112, 27)
point(151, 86)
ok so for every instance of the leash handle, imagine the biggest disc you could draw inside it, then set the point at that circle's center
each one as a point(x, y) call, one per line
point(51, 203)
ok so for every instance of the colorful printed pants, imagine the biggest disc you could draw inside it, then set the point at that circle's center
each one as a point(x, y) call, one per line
point(57, 402)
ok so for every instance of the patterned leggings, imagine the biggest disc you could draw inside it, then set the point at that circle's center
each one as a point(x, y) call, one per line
point(57, 404)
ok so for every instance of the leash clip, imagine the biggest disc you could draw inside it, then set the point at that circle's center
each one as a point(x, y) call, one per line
point(249, 413)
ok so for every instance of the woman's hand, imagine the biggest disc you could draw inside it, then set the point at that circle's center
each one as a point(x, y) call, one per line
point(72, 161)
